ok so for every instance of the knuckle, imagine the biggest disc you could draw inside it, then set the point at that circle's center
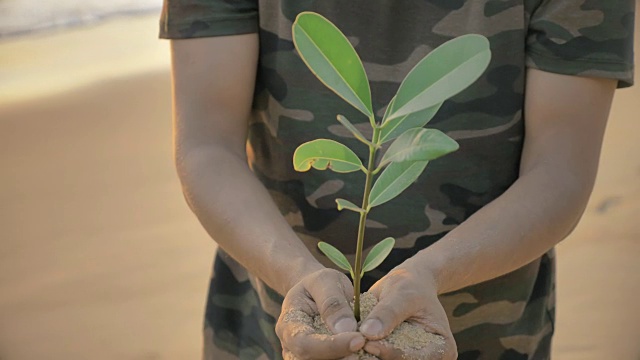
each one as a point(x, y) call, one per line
point(290, 297)
point(437, 328)
point(388, 312)
point(332, 305)
point(279, 330)
point(345, 283)
point(416, 295)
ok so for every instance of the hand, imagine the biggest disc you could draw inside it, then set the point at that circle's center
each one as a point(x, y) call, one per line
point(407, 294)
point(323, 292)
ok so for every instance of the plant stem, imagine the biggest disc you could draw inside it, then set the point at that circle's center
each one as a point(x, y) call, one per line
point(363, 219)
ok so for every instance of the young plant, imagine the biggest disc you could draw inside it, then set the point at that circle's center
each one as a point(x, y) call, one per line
point(443, 73)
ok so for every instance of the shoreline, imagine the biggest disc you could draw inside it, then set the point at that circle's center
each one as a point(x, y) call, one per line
point(73, 23)
point(51, 63)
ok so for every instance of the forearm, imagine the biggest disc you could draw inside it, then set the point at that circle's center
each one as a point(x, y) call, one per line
point(239, 214)
point(534, 214)
point(565, 119)
point(213, 88)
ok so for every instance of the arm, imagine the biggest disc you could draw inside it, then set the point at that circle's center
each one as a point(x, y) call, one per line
point(565, 118)
point(213, 82)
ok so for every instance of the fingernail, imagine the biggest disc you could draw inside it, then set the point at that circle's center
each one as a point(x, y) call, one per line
point(356, 344)
point(345, 325)
point(371, 327)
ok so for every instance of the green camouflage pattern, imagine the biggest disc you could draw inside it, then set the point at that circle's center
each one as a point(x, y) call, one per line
point(511, 317)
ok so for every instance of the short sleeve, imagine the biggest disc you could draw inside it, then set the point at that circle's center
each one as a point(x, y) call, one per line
point(181, 19)
point(583, 37)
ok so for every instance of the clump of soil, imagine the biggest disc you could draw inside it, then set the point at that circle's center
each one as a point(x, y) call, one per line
point(407, 337)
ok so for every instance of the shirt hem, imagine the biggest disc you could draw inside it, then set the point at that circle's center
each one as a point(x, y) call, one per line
point(616, 70)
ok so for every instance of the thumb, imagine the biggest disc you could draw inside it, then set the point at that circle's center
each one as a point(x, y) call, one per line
point(330, 291)
point(385, 316)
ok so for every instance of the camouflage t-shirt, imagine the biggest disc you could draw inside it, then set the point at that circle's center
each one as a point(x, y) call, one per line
point(510, 317)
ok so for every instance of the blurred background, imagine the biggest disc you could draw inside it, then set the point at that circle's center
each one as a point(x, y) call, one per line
point(100, 258)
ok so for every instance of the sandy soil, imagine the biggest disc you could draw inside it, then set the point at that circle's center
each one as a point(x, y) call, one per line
point(101, 259)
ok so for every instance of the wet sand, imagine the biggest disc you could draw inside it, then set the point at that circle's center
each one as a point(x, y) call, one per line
point(100, 257)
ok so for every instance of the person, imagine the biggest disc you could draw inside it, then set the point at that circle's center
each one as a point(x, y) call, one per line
point(474, 259)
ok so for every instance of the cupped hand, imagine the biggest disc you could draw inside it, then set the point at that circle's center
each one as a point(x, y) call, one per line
point(323, 292)
point(405, 294)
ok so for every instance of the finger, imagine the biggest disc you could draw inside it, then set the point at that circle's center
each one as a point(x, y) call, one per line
point(352, 357)
point(386, 351)
point(330, 292)
point(298, 298)
point(391, 310)
point(288, 355)
point(306, 345)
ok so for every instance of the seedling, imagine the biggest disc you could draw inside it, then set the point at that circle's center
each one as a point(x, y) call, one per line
point(441, 74)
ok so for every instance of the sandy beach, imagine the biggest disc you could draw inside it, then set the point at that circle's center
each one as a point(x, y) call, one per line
point(101, 259)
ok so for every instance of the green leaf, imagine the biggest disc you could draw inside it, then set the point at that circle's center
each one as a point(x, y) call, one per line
point(387, 111)
point(333, 60)
point(325, 154)
point(395, 127)
point(377, 254)
point(419, 145)
point(394, 180)
point(346, 204)
point(443, 73)
point(358, 135)
point(335, 256)
point(321, 164)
